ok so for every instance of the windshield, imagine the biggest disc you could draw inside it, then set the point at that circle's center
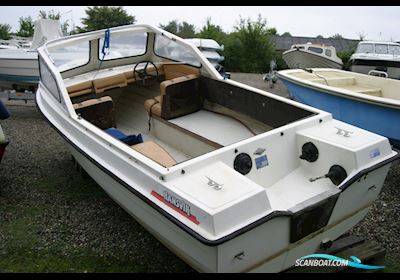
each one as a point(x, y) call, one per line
point(365, 48)
point(167, 48)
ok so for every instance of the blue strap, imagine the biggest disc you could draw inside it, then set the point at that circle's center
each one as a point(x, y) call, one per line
point(106, 43)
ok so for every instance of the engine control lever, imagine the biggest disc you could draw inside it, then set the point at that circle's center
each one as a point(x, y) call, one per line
point(336, 174)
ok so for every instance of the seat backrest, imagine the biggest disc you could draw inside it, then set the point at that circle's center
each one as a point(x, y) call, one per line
point(100, 111)
point(173, 71)
point(180, 96)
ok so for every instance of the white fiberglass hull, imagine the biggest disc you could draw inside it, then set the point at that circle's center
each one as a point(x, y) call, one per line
point(264, 247)
point(393, 72)
point(19, 66)
point(298, 59)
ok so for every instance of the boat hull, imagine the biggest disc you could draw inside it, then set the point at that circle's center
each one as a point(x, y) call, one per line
point(265, 247)
point(300, 59)
point(370, 116)
point(364, 66)
point(22, 72)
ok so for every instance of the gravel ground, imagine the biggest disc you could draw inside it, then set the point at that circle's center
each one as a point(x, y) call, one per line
point(72, 217)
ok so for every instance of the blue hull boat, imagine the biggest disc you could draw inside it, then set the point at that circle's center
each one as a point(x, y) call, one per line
point(369, 102)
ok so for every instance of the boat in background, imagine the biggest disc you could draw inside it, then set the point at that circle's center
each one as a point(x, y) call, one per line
point(301, 56)
point(369, 102)
point(210, 49)
point(19, 66)
point(374, 57)
point(4, 114)
point(229, 177)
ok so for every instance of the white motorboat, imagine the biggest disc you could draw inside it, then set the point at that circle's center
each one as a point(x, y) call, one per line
point(229, 177)
point(309, 55)
point(19, 66)
point(209, 48)
point(373, 57)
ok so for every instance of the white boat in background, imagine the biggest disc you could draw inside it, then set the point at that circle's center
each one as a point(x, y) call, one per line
point(229, 177)
point(372, 57)
point(209, 48)
point(309, 55)
point(19, 66)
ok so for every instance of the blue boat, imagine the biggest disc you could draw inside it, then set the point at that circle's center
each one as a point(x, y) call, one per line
point(366, 101)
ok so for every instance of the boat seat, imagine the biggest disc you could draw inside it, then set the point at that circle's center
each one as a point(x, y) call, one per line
point(99, 111)
point(179, 97)
point(150, 70)
point(155, 152)
point(365, 90)
point(173, 71)
point(80, 89)
point(109, 82)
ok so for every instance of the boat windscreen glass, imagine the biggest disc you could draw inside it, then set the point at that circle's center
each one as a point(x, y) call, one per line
point(167, 48)
point(381, 49)
point(365, 48)
point(394, 49)
point(72, 56)
point(316, 50)
point(124, 45)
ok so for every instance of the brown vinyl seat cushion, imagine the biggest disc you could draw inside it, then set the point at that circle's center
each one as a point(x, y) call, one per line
point(99, 112)
point(155, 152)
point(150, 70)
point(182, 87)
point(110, 82)
point(173, 71)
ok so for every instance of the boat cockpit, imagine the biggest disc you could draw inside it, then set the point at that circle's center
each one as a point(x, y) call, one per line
point(157, 94)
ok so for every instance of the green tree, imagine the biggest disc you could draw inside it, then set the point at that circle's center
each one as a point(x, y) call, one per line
point(5, 31)
point(286, 34)
point(249, 47)
point(55, 16)
point(184, 29)
point(337, 36)
point(26, 27)
point(320, 37)
point(100, 17)
point(212, 31)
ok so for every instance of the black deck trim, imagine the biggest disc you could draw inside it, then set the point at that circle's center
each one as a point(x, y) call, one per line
point(182, 226)
point(374, 62)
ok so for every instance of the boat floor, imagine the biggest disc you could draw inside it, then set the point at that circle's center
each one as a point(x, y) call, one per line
point(132, 118)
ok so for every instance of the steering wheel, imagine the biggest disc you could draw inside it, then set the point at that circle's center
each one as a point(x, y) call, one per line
point(142, 73)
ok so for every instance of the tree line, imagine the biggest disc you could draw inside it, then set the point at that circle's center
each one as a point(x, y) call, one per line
point(248, 48)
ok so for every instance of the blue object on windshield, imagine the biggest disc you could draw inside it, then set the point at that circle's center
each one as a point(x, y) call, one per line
point(106, 43)
point(4, 113)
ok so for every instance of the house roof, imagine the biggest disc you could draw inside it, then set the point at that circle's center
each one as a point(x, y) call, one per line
point(284, 43)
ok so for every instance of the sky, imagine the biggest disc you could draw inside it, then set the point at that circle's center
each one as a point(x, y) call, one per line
point(377, 23)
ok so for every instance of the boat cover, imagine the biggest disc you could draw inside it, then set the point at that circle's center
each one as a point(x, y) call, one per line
point(45, 30)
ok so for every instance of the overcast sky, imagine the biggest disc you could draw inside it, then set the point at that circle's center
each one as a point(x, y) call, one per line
point(377, 23)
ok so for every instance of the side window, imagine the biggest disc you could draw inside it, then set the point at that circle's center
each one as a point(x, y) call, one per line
point(66, 58)
point(381, 48)
point(167, 48)
point(124, 45)
point(48, 80)
point(314, 49)
point(328, 52)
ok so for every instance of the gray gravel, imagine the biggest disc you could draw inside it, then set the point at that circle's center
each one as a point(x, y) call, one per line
point(77, 218)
